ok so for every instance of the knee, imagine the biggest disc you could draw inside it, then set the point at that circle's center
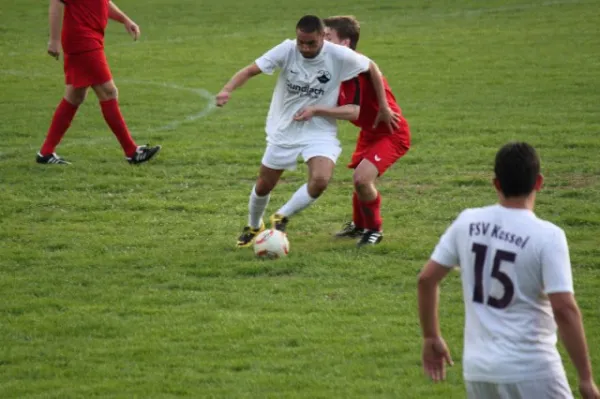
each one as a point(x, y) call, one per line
point(110, 92)
point(107, 91)
point(76, 97)
point(263, 187)
point(317, 185)
point(361, 182)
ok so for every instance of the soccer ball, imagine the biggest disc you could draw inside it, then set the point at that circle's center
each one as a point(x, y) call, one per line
point(271, 244)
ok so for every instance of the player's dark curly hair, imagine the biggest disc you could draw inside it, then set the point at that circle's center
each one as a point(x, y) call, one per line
point(517, 167)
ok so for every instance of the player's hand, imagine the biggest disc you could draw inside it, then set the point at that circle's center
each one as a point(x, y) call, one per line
point(304, 114)
point(435, 357)
point(588, 390)
point(54, 48)
point(223, 97)
point(132, 28)
point(388, 117)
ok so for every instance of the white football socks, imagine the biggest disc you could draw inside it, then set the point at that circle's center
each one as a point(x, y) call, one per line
point(256, 208)
point(299, 201)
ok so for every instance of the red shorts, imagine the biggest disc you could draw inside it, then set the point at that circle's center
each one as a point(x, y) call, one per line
point(382, 150)
point(87, 69)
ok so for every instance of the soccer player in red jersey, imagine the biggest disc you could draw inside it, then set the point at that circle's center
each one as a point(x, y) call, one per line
point(85, 65)
point(377, 147)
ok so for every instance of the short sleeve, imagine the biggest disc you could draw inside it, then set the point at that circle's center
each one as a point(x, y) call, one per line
point(349, 92)
point(356, 97)
point(556, 264)
point(353, 63)
point(446, 251)
point(274, 58)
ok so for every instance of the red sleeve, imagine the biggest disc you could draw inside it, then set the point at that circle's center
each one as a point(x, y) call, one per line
point(356, 99)
point(349, 92)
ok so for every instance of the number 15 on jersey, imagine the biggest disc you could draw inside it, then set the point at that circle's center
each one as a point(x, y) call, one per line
point(481, 252)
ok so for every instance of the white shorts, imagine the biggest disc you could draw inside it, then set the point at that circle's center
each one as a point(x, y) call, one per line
point(548, 388)
point(286, 158)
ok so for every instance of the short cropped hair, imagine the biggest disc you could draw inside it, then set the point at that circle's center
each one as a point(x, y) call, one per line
point(310, 24)
point(517, 167)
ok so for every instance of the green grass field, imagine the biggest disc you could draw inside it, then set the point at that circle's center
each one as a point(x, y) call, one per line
point(124, 282)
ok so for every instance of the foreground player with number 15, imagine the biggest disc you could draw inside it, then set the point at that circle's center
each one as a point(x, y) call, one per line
point(517, 287)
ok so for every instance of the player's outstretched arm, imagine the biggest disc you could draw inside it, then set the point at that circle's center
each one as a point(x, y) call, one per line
point(237, 80)
point(435, 353)
point(348, 112)
point(385, 114)
point(570, 327)
point(116, 14)
point(55, 13)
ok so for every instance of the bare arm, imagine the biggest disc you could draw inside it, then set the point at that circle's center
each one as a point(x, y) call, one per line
point(116, 14)
point(347, 112)
point(385, 114)
point(377, 80)
point(435, 354)
point(55, 13)
point(570, 328)
point(236, 81)
point(428, 293)
point(241, 77)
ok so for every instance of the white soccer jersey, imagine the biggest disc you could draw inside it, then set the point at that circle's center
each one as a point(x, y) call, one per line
point(509, 261)
point(306, 81)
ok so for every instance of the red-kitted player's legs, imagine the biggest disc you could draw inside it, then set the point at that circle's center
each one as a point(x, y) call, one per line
point(369, 201)
point(90, 69)
point(355, 228)
point(61, 120)
point(358, 218)
point(107, 94)
point(81, 71)
point(99, 77)
point(371, 159)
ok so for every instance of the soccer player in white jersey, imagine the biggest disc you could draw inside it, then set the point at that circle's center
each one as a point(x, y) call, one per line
point(311, 71)
point(517, 289)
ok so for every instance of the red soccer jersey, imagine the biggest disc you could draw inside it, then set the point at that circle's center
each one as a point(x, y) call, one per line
point(83, 26)
point(360, 90)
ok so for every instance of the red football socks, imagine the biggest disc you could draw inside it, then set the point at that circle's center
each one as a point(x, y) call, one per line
point(114, 119)
point(357, 213)
point(371, 211)
point(64, 114)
